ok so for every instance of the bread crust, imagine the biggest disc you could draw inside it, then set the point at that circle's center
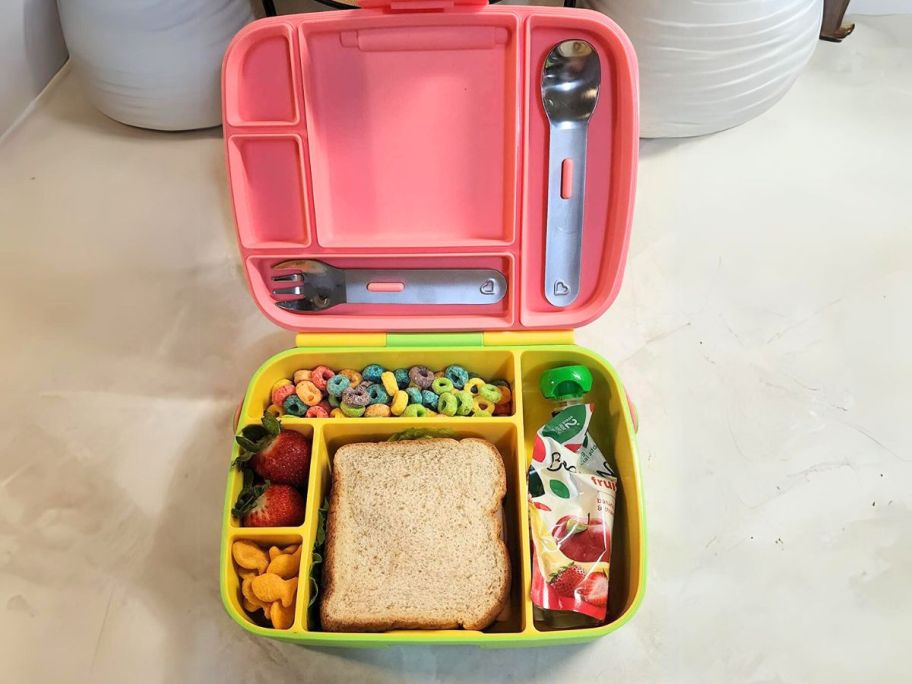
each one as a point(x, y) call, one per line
point(377, 623)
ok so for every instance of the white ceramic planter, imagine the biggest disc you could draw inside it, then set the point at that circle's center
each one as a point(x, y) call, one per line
point(153, 63)
point(707, 65)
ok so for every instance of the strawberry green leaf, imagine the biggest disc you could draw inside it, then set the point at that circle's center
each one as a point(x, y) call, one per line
point(272, 424)
point(246, 444)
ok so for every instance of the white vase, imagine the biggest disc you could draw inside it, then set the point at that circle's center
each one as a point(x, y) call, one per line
point(707, 65)
point(153, 63)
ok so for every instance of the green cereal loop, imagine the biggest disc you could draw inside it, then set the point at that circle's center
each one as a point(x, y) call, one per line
point(441, 385)
point(490, 392)
point(352, 411)
point(414, 411)
point(466, 402)
point(483, 407)
point(447, 404)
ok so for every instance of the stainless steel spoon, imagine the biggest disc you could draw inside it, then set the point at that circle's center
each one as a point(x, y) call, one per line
point(569, 89)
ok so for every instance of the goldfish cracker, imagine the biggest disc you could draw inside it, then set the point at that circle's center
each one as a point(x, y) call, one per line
point(319, 376)
point(250, 607)
point(483, 407)
point(336, 413)
point(309, 393)
point(274, 552)
point(291, 549)
point(388, 379)
point(474, 385)
point(244, 574)
point(276, 411)
point(506, 395)
point(354, 377)
point(280, 616)
point(377, 411)
point(248, 593)
point(301, 375)
point(400, 402)
point(249, 556)
point(270, 587)
point(286, 565)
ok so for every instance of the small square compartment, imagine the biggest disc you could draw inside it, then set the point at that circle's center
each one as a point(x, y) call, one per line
point(231, 583)
point(264, 86)
point(268, 180)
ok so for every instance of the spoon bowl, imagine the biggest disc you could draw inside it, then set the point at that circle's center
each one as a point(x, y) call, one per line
point(570, 82)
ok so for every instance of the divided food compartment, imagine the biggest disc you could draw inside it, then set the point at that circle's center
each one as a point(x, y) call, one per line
point(417, 139)
point(512, 435)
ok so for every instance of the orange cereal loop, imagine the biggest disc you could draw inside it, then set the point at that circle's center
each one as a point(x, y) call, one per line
point(308, 393)
point(249, 556)
point(275, 410)
point(354, 377)
point(301, 375)
point(377, 411)
point(506, 396)
point(336, 413)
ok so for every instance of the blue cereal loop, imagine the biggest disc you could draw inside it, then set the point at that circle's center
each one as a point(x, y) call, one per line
point(372, 372)
point(414, 395)
point(377, 395)
point(402, 377)
point(336, 385)
point(429, 399)
point(458, 375)
point(294, 406)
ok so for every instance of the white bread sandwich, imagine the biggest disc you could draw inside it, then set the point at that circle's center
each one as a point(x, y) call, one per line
point(413, 537)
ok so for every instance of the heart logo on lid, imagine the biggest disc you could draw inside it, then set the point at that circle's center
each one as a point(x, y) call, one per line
point(560, 288)
point(487, 287)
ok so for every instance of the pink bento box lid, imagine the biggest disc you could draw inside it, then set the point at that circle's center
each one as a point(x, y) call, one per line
point(412, 135)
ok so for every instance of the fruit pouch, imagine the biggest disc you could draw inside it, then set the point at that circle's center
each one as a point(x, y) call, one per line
point(572, 492)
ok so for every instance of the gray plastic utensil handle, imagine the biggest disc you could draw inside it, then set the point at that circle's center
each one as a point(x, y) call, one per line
point(564, 232)
point(426, 286)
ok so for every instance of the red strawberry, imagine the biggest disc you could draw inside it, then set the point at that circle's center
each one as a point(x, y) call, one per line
point(566, 579)
point(277, 455)
point(594, 589)
point(278, 506)
point(582, 539)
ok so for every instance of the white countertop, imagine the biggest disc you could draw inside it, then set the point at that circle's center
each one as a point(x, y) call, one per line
point(763, 329)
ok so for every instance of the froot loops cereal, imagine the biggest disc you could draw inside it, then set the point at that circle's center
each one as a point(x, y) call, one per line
point(379, 392)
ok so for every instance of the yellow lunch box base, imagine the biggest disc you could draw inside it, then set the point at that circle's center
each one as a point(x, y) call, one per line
point(519, 358)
